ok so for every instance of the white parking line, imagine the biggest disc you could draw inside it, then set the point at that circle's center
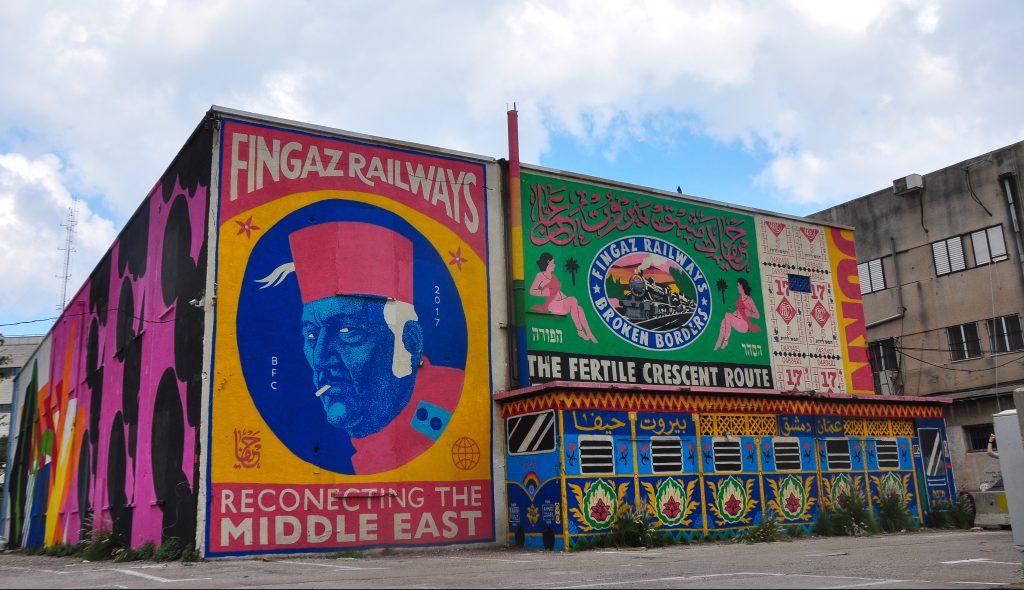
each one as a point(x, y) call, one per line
point(157, 578)
point(978, 560)
point(331, 565)
point(648, 581)
point(496, 559)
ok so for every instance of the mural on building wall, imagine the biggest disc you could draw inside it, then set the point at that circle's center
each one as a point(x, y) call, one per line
point(853, 336)
point(704, 466)
point(632, 288)
point(107, 418)
point(351, 366)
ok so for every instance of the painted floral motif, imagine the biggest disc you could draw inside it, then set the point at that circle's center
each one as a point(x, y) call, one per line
point(791, 497)
point(891, 484)
point(598, 504)
point(839, 489)
point(733, 500)
point(671, 503)
point(532, 514)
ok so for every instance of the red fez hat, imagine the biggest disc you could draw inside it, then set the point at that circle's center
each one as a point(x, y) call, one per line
point(352, 258)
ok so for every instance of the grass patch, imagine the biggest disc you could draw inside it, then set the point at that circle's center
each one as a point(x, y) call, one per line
point(347, 554)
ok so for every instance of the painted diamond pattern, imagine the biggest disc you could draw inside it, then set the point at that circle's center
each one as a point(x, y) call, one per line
point(820, 314)
point(810, 233)
point(786, 310)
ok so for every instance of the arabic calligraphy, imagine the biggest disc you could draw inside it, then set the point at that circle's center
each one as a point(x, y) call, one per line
point(563, 218)
point(788, 425)
point(247, 448)
point(598, 423)
point(661, 428)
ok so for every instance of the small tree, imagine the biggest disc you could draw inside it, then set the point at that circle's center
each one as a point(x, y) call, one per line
point(4, 358)
point(572, 267)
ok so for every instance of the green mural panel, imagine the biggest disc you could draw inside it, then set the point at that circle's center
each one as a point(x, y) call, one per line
point(633, 288)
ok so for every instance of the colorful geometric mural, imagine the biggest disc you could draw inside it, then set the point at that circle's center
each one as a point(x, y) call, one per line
point(107, 418)
point(347, 409)
point(632, 288)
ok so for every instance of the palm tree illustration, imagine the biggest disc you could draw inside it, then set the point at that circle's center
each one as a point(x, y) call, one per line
point(572, 267)
point(722, 286)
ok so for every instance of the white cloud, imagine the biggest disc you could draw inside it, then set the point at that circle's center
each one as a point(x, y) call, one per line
point(34, 202)
point(837, 98)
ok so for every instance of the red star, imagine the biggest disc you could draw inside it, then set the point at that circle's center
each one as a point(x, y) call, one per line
point(247, 227)
point(457, 258)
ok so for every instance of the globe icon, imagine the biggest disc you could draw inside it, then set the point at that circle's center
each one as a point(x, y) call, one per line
point(465, 453)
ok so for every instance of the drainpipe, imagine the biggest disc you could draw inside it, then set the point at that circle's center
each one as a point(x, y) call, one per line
point(900, 309)
point(515, 215)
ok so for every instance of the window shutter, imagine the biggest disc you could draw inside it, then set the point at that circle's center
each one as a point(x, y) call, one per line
point(941, 258)
point(980, 241)
point(956, 254)
point(996, 243)
point(877, 275)
point(865, 278)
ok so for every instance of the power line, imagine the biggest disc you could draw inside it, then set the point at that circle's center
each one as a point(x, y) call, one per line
point(67, 315)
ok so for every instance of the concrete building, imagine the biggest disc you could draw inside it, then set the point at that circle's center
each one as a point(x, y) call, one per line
point(940, 260)
point(19, 349)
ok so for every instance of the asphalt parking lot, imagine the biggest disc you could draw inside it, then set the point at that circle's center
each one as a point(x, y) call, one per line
point(924, 559)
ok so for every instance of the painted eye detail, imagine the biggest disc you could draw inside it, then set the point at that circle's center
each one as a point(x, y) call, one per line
point(311, 336)
point(344, 330)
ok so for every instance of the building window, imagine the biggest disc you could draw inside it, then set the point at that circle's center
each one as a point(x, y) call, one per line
point(837, 452)
point(597, 455)
point(949, 256)
point(531, 433)
point(872, 276)
point(887, 453)
point(727, 455)
point(1004, 333)
point(882, 355)
point(989, 245)
point(977, 437)
point(666, 454)
point(964, 342)
point(787, 454)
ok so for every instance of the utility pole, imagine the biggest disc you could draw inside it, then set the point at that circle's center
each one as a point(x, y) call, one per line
point(68, 248)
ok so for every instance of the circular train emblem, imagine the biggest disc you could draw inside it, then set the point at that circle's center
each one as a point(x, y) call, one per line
point(650, 293)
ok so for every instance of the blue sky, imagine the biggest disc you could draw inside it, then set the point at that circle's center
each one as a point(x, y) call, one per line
point(789, 106)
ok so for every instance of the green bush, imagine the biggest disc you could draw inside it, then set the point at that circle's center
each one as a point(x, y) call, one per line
point(170, 550)
point(103, 546)
point(893, 514)
point(767, 531)
point(632, 528)
point(796, 532)
point(948, 515)
point(853, 520)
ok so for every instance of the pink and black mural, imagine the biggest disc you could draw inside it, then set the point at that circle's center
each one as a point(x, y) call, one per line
point(105, 428)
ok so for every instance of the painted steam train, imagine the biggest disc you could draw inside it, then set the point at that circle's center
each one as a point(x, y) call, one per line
point(648, 300)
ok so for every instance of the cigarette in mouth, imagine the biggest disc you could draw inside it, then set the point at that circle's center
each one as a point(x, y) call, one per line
point(323, 390)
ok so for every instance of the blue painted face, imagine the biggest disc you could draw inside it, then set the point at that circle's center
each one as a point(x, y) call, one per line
point(350, 349)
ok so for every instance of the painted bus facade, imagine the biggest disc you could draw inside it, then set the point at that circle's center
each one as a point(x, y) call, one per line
point(706, 466)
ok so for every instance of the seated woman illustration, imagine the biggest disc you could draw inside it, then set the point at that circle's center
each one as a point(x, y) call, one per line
point(547, 285)
point(739, 320)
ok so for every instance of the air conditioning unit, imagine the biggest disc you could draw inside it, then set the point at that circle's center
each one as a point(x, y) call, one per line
point(907, 184)
point(885, 382)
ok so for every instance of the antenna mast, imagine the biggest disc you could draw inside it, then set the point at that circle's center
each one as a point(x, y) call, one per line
point(68, 248)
